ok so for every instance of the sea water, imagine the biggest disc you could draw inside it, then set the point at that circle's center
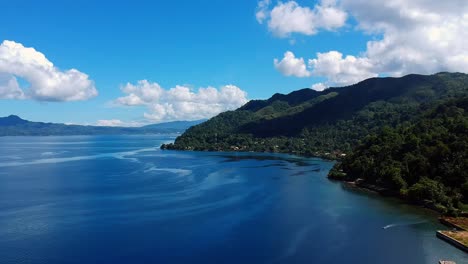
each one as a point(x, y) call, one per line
point(120, 199)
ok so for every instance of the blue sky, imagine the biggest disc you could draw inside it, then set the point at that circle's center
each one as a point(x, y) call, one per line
point(192, 44)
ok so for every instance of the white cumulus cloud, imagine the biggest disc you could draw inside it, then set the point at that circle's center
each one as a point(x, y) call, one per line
point(319, 87)
point(262, 10)
point(420, 36)
point(289, 17)
point(339, 70)
point(118, 123)
point(46, 82)
point(9, 87)
point(291, 66)
point(140, 93)
point(181, 102)
point(110, 122)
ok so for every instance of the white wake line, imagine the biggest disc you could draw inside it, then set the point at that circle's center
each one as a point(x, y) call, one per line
point(116, 155)
point(181, 172)
point(53, 153)
point(404, 224)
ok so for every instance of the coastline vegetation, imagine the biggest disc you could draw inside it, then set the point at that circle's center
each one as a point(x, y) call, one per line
point(403, 136)
point(424, 161)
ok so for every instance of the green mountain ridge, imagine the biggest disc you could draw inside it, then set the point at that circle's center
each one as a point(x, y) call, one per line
point(333, 121)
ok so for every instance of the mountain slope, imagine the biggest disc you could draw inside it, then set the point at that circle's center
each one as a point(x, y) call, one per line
point(15, 126)
point(423, 161)
point(11, 120)
point(316, 123)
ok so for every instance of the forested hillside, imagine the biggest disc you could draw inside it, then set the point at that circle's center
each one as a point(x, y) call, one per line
point(328, 123)
point(424, 161)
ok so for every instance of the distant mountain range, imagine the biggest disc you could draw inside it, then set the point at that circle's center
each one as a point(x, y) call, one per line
point(15, 126)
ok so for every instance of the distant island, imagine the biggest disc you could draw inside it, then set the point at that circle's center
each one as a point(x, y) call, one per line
point(405, 136)
point(15, 126)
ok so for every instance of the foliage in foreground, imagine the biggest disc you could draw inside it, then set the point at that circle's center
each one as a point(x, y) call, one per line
point(424, 161)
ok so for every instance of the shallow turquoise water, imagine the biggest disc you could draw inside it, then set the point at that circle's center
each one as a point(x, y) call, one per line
point(119, 199)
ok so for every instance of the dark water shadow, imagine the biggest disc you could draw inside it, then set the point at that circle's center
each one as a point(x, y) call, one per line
point(306, 172)
point(391, 202)
point(264, 166)
point(301, 162)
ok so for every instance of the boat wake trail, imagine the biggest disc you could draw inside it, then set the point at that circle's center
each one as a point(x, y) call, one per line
point(403, 224)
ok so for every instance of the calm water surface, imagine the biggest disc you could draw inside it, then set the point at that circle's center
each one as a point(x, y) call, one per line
point(119, 199)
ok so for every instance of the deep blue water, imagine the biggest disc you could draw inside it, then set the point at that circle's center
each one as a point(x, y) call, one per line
point(119, 199)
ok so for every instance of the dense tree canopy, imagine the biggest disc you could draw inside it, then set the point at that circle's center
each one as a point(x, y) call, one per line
point(327, 123)
point(423, 161)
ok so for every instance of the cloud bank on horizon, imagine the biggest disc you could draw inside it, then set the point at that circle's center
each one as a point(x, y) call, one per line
point(180, 102)
point(420, 36)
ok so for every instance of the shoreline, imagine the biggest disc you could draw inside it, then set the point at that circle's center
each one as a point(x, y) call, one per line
point(448, 236)
point(323, 156)
point(457, 235)
point(382, 192)
point(352, 184)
